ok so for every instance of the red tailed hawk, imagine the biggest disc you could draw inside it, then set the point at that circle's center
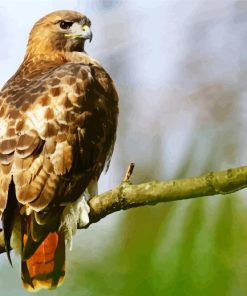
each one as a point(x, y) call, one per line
point(58, 119)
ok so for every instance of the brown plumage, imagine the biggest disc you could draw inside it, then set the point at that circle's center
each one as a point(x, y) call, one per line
point(58, 118)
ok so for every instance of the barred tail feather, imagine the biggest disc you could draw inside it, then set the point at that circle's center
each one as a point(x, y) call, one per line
point(45, 269)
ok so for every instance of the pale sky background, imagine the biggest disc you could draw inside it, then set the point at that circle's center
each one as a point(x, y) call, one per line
point(180, 67)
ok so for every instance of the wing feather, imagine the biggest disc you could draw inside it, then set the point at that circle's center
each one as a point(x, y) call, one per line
point(56, 134)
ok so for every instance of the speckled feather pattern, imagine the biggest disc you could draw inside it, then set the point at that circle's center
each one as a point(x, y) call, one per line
point(58, 118)
point(51, 123)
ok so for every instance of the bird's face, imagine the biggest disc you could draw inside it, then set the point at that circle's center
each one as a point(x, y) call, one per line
point(75, 29)
point(64, 31)
point(73, 33)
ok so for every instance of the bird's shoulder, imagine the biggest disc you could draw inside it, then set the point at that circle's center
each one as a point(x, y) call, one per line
point(42, 83)
point(43, 111)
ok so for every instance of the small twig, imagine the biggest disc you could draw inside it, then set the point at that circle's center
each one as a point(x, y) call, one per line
point(129, 172)
point(127, 196)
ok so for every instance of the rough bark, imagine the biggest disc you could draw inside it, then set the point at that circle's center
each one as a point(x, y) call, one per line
point(127, 195)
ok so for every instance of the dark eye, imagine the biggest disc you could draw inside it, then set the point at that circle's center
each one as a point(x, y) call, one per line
point(65, 25)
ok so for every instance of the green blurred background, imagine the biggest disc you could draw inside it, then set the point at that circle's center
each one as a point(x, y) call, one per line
point(180, 68)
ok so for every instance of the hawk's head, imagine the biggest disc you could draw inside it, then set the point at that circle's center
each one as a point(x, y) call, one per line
point(62, 31)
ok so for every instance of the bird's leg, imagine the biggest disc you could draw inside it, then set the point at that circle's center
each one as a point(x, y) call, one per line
point(83, 207)
point(76, 214)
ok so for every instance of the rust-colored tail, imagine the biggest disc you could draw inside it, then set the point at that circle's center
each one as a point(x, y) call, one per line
point(45, 269)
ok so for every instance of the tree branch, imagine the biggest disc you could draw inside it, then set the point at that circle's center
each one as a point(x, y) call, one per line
point(128, 196)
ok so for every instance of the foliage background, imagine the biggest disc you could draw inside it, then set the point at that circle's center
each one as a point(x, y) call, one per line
point(180, 68)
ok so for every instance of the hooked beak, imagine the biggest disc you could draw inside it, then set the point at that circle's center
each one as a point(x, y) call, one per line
point(87, 33)
point(81, 32)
